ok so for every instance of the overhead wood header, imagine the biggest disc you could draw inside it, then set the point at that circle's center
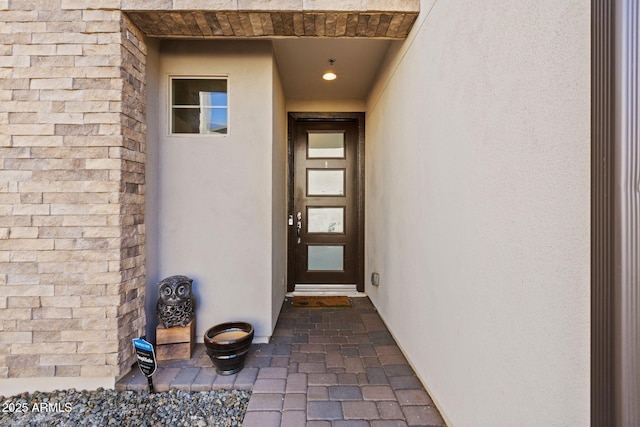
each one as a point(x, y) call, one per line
point(273, 19)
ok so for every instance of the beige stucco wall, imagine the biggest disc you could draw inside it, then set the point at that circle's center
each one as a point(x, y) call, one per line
point(152, 177)
point(214, 207)
point(332, 106)
point(278, 196)
point(477, 193)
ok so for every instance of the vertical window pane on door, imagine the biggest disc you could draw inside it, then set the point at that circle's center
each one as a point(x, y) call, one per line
point(326, 145)
point(325, 182)
point(325, 220)
point(199, 106)
point(325, 258)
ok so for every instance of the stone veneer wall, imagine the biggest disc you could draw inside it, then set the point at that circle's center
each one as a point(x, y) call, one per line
point(131, 311)
point(72, 158)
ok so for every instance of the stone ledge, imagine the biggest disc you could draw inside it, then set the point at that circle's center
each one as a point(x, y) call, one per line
point(387, 19)
point(253, 24)
point(357, 6)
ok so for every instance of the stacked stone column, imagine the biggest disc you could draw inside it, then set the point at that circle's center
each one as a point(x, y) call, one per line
point(72, 157)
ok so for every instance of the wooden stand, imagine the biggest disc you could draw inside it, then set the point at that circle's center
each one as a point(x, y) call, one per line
point(175, 343)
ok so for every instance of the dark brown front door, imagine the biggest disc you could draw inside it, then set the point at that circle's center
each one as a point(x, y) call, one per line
point(325, 242)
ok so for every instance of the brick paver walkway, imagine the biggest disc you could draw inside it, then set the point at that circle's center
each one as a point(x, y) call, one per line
point(323, 367)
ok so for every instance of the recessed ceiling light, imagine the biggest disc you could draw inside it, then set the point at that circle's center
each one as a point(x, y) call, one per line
point(329, 75)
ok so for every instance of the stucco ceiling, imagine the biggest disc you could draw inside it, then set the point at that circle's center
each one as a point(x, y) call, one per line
point(303, 61)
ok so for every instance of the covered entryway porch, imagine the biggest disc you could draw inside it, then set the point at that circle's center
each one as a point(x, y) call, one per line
point(315, 366)
point(219, 203)
point(470, 130)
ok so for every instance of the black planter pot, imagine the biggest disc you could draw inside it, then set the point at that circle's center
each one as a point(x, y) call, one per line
point(227, 346)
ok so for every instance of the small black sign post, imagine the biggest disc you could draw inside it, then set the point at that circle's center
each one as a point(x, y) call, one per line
point(146, 359)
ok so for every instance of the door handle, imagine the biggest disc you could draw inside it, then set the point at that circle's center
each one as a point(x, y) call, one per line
point(299, 225)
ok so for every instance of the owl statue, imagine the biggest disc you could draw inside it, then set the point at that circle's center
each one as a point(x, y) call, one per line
point(176, 303)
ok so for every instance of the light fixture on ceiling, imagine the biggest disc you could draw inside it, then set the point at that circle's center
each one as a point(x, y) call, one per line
point(330, 74)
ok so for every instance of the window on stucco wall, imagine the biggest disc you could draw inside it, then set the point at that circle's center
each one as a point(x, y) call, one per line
point(199, 105)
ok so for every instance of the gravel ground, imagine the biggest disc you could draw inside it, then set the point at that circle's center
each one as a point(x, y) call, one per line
point(70, 408)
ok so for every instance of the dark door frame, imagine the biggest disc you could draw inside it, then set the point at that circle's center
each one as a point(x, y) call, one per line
point(293, 118)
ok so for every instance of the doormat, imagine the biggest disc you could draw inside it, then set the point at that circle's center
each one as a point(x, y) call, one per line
point(321, 302)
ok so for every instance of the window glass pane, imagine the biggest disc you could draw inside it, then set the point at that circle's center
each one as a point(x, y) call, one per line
point(326, 145)
point(213, 120)
point(325, 220)
point(325, 182)
point(213, 99)
point(325, 258)
point(199, 106)
point(188, 92)
point(202, 121)
point(186, 120)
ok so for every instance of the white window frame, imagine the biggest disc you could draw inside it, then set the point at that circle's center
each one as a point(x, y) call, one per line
point(170, 78)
